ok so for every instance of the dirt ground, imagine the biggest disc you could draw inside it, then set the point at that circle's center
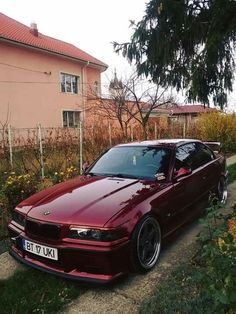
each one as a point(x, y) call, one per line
point(126, 295)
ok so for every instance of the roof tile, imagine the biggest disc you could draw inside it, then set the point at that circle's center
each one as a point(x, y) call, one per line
point(191, 109)
point(13, 30)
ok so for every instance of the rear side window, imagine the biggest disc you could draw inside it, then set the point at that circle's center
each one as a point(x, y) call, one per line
point(193, 155)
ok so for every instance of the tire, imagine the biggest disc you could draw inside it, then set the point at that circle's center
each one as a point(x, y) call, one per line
point(222, 192)
point(145, 244)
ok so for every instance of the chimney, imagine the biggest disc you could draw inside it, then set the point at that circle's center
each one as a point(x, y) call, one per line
point(34, 29)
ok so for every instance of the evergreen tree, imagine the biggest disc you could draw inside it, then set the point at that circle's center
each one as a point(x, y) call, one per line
point(186, 44)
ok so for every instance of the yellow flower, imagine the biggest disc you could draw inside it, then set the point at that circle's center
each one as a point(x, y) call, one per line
point(232, 228)
point(232, 231)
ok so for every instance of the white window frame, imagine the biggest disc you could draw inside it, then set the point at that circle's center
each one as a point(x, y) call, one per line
point(69, 86)
point(67, 118)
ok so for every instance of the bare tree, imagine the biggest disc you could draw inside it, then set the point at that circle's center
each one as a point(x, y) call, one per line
point(115, 106)
point(145, 99)
point(131, 99)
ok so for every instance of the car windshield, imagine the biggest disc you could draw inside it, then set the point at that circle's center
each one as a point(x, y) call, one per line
point(138, 162)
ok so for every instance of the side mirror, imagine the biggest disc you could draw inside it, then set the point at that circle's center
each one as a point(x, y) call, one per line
point(183, 172)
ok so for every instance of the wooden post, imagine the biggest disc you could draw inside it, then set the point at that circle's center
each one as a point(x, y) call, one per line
point(10, 145)
point(184, 129)
point(81, 146)
point(155, 131)
point(41, 150)
point(132, 133)
point(109, 130)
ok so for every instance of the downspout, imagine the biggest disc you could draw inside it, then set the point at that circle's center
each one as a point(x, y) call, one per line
point(84, 89)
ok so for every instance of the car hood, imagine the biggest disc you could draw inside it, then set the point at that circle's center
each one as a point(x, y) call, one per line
point(86, 201)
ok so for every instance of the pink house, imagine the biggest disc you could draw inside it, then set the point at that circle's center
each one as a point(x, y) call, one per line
point(42, 79)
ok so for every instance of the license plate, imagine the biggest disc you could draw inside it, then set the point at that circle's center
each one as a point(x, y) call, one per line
point(41, 250)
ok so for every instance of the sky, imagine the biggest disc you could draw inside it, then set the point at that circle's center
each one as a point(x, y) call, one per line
point(91, 25)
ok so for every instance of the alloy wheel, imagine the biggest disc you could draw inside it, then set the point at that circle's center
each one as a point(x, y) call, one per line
point(148, 242)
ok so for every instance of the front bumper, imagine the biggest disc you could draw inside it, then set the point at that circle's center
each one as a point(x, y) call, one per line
point(75, 262)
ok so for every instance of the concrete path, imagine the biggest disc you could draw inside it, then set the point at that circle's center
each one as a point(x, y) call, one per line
point(231, 160)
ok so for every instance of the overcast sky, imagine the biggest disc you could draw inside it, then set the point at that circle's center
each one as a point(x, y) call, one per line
point(91, 25)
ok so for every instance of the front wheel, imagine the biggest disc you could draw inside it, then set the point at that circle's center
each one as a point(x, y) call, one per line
point(222, 190)
point(146, 244)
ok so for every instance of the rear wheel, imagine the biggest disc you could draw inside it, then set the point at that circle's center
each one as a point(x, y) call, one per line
point(146, 244)
point(222, 190)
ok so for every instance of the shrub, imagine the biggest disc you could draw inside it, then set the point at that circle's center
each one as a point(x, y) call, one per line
point(217, 259)
point(44, 184)
point(219, 127)
point(207, 283)
point(4, 216)
point(18, 187)
point(232, 173)
point(61, 176)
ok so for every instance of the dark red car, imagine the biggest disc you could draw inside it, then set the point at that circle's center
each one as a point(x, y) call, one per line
point(113, 218)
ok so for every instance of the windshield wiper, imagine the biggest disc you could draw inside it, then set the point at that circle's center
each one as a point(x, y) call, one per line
point(92, 174)
point(123, 175)
point(113, 175)
point(95, 174)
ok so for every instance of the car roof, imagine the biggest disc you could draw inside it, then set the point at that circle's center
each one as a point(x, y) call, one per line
point(163, 142)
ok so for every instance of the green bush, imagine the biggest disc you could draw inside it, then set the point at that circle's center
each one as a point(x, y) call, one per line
point(217, 258)
point(232, 173)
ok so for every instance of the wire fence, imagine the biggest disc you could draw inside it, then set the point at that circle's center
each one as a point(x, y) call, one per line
point(44, 150)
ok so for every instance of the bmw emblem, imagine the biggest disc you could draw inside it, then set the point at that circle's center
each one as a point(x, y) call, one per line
point(47, 213)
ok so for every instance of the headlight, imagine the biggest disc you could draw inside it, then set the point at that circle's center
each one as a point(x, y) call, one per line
point(18, 218)
point(94, 234)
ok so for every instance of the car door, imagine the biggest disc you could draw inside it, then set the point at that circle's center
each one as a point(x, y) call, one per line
point(181, 193)
point(191, 193)
point(209, 166)
point(186, 190)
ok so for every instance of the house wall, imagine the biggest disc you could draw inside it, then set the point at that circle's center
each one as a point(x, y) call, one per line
point(30, 90)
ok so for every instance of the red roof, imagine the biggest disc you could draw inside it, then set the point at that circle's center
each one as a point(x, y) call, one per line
point(15, 31)
point(187, 109)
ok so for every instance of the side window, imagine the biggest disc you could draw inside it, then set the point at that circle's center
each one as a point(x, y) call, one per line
point(184, 155)
point(203, 156)
point(193, 155)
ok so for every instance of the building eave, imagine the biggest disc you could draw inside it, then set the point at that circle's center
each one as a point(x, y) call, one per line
point(102, 68)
